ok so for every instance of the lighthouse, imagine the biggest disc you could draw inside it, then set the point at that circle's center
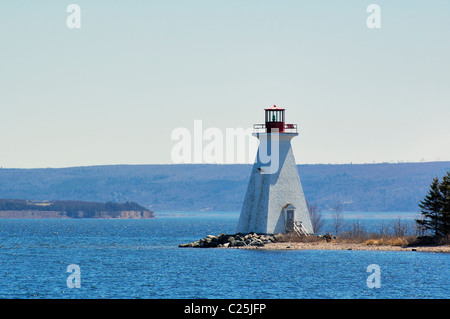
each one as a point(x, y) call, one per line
point(274, 202)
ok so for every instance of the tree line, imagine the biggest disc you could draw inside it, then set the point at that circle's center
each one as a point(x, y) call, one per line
point(69, 206)
point(435, 208)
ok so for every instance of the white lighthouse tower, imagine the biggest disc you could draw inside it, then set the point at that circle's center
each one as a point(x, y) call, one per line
point(274, 202)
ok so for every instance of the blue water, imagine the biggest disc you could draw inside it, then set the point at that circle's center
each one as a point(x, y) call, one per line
point(140, 259)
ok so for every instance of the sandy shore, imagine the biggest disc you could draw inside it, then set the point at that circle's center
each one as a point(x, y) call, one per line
point(345, 246)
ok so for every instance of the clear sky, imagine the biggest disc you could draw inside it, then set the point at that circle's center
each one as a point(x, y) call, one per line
point(112, 91)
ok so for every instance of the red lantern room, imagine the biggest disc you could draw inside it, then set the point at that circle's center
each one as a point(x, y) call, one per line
point(274, 119)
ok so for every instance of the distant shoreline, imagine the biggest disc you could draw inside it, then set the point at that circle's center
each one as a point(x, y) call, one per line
point(35, 214)
point(346, 246)
point(32, 209)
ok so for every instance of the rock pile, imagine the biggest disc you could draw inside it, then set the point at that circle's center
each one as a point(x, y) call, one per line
point(236, 240)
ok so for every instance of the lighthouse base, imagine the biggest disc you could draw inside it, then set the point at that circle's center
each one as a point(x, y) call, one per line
point(275, 202)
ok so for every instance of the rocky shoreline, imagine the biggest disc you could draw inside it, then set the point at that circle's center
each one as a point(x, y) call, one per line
point(278, 242)
point(234, 240)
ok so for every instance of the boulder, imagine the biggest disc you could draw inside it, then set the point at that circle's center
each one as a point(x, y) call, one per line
point(236, 243)
point(239, 243)
point(195, 244)
point(214, 242)
point(328, 237)
point(257, 242)
point(277, 237)
point(222, 238)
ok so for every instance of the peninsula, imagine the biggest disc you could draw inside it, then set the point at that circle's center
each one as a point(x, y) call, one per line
point(19, 208)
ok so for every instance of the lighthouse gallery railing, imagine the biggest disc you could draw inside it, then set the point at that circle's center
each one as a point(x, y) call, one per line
point(261, 128)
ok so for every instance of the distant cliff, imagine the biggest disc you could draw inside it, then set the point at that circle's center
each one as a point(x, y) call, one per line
point(15, 208)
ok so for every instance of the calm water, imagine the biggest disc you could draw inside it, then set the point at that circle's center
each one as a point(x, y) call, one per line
point(140, 259)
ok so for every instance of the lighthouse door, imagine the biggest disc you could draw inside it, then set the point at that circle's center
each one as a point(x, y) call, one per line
point(289, 220)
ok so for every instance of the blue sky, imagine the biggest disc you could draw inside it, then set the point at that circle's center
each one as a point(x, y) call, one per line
point(113, 91)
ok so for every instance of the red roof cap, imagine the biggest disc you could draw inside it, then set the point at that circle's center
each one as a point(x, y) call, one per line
point(275, 108)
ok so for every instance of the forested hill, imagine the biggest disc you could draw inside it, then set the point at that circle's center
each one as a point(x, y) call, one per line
point(19, 208)
point(193, 187)
point(68, 206)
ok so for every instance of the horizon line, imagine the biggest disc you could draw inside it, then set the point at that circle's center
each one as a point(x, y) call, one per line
point(220, 164)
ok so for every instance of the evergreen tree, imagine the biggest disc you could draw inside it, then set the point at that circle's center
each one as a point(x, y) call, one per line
point(431, 208)
point(444, 219)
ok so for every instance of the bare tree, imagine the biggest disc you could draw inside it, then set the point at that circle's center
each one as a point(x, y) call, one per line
point(400, 228)
point(316, 217)
point(384, 229)
point(338, 219)
point(357, 230)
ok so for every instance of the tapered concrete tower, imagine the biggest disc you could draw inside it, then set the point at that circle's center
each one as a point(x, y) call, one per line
point(274, 202)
